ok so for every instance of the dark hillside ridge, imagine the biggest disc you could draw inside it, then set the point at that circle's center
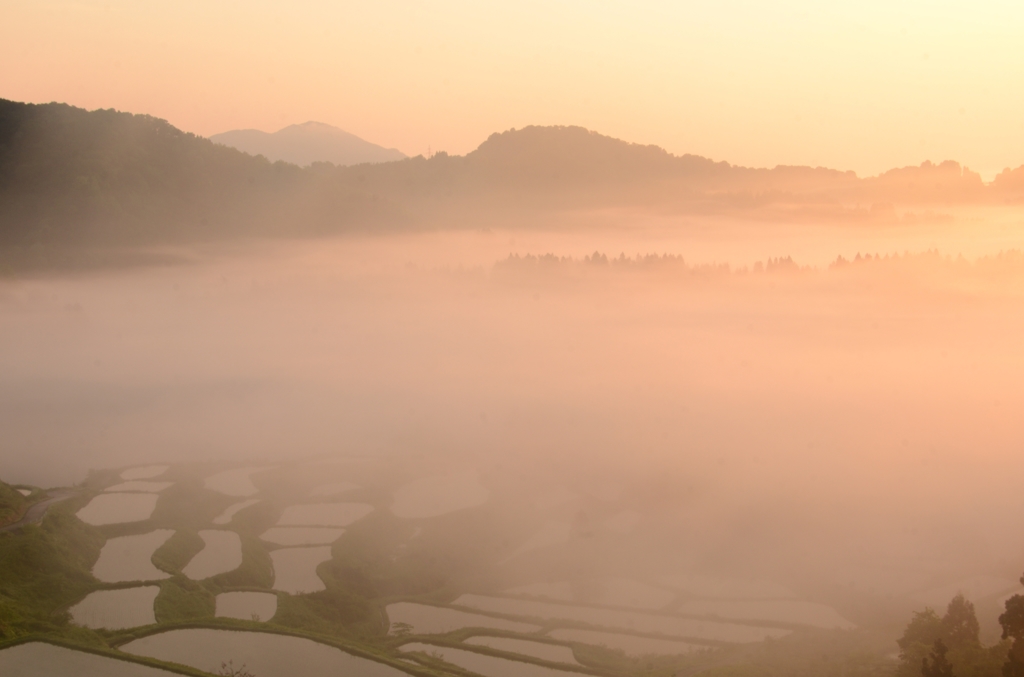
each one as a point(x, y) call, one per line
point(544, 160)
point(71, 177)
point(308, 143)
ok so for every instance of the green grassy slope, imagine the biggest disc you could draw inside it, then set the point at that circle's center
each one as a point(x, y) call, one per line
point(42, 568)
point(12, 504)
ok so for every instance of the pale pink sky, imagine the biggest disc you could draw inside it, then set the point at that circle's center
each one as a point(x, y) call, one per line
point(861, 85)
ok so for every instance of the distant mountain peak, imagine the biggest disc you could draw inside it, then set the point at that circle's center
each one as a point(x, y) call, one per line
point(313, 125)
point(308, 142)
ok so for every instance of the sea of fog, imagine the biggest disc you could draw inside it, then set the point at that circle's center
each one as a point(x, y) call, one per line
point(855, 427)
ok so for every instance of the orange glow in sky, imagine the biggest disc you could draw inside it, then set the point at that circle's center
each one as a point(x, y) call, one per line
point(864, 85)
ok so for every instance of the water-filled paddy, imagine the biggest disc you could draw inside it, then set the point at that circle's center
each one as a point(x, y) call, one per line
point(605, 591)
point(439, 495)
point(488, 666)
point(235, 482)
point(434, 620)
point(39, 658)
point(632, 645)
point(229, 514)
point(222, 552)
point(301, 535)
point(324, 514)
point(775, 610)
point(116, 609)
point(684, 628)
point(118, 509)
point(140, 485)
point(548, 652)
point(24, 492)
point(295, 569)
point(263, 654)
point(129, 558)
point(146, 472)
point(248, 606)
point(332, 489)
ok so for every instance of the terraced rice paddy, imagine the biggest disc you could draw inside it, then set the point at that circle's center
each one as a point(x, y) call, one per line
point(548, 652)
point(774, 610)
point(606, 592)
point(222, 552)
point(130, 558)
point(145, 472)
point(235, 482)
point(439, 495)
point(683, 628)
point(301, 535)
point(295, 569)
point(263, 654)
point(248, 606)
point(139, 485)
point(332, 489)
point(324, 514)
point(36, 659)
point(232, 510)
point(717, 587)
point(118, 509)
point(631, 645)
point(488, 666)
point(116, 609)
point(434, 620)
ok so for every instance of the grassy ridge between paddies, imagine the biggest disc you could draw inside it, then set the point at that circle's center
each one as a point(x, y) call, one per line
point(12, 504)
point(45, 569)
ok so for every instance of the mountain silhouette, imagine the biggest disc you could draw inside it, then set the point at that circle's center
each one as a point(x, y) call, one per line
point(77, 179)
point(308, 143)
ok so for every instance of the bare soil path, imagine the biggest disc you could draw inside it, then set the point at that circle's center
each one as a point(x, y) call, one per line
point(36, 512)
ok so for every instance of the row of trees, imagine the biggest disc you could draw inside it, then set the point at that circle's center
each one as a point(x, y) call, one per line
point(950, 645)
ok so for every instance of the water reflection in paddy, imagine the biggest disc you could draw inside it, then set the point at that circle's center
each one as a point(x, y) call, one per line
point(118, 509)
point(548, 652)
point(116, 609)
point(631, 645)
point(431, 620)
point(222, 552)
point(655, 624)
point(229, 514)
point(36, 659)
point(488, 666)
point(295, 569)
point(262, 654)
point(129, 558)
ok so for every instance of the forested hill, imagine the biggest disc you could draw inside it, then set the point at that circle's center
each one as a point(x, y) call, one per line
point(70, 176)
